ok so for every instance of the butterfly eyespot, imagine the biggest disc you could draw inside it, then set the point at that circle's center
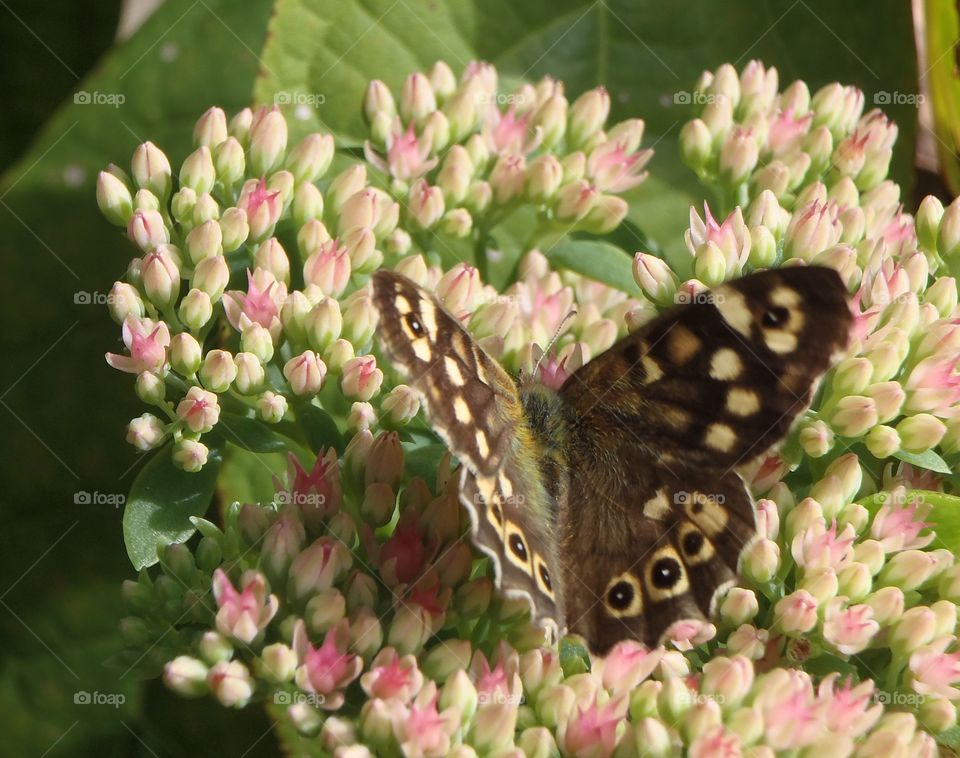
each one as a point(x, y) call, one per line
point(545, 577)
point(620, 596)
point(775, 315)
point(415, 326)
point(665, 573)
point(693, 543)
point(623, 596)
point(517, 547)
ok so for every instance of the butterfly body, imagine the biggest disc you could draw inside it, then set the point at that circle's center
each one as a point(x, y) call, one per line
point(613, 505)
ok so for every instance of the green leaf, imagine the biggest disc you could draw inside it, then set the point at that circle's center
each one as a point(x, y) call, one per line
point(320, 427)
point(596, 260)
point(424, 460)
point(161, 502)
point(250, 434)
point(929, 460)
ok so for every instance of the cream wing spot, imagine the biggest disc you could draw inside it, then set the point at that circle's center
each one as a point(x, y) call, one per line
point(483, 447)
point(725, 365)
point(651, 369)
point(785, 296)
point(428, 316)
point(682, 344)
point(453, 371)
point(720, 437)
point(403, 305)
point(780, 341)
point(742, 402)
point(734, 310)
point(421, 349)
point(706, 513)
point(461, 411)
point(657, 507)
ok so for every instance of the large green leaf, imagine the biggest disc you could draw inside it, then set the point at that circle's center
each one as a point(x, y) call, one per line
point(643, 51)
point(596, 260)
point(161, 502)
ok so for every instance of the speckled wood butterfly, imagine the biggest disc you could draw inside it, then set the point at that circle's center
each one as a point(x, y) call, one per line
point(613, 505)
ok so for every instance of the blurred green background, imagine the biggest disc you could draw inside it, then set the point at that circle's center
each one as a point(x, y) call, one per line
point(64, 411)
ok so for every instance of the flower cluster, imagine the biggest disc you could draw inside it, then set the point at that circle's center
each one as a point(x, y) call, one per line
point(352, 604)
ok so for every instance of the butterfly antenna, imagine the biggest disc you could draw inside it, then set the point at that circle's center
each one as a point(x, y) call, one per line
point(553, 340)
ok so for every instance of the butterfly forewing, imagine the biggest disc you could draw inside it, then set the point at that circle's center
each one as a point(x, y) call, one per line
point(475, 407)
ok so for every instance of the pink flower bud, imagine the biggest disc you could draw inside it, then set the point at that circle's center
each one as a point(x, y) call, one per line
point(361, 378)
point(243, 615)
point(305, 373)
point(147, 230)
point(909, 569)
point(211, 128)
point(796, 613)
point(425, 204)
point(151, 169)
point(145, 432)
point(738, 155)
point(262, 208)
point(123, 301)
point(361, 416)
point(190, 455)
point(460, 289)
point(199, 410)
point(218, 371)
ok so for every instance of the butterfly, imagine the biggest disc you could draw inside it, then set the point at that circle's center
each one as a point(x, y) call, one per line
point(613, 505)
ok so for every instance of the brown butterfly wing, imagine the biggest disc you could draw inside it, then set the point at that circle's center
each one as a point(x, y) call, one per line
point(475, 407)
point(668, 413)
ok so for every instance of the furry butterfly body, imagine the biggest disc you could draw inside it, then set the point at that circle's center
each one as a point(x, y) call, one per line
point(613, 505)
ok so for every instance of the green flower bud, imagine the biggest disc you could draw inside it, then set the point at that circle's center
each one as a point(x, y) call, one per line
point(551, 118)
point(311, 157)
point(182, 205)
point(927, 221)
point(218, 371)
point(185, 354)
point(211, 128)
point(113, 199)
point(205, 241)
point(307, 204)
point(250, 373)
point(587, 116)
point(417, 99)
point(211, 276)
point(346, 184)
point(205, 209)
point(920, 432)
point(323, 324)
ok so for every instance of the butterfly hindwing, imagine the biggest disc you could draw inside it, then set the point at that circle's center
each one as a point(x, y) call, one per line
point(475, 407)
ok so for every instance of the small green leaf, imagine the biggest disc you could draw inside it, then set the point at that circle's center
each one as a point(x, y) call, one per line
point(321, 429)
point(250, 434)
point(162, 500)
point(596, 260)
point(574, 658)
point(424, 460)
point(929, 460)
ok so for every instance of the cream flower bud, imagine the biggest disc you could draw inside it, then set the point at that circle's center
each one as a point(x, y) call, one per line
point(914, 629)
point(605, 215)
point(361, 416)
point(739, 606)
point(271, 407)
point(250, 373)
point(145, 432)
point(205, 241)
point(305, 373)
point(738, 155)
point(655, 278)
point(854, 581)
point(196, 309)
point(114, 199)
point(796, 613)
point(696, 144)
point(211, 277)
point(854, 415)
point(186, 676)
point(761, 560)
point(257, 341)
point(457, 223)
point(147, 230)
point(928, 218)
point(198, 172)
point(161, 277)
point(151, 169)
point(273, 258)
point(816, 438)
point(190, 455)
point(543, 178)
point(218, 371)
point(311, 157)
point(360, 245)
point(920, 432)
point(268, 141)
point(123, 301)
point(417, 99)
point(551, 118)
point(234, 228)
point(378, 99)
point(359, 319)
point(587, 115)
point(401, 405)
